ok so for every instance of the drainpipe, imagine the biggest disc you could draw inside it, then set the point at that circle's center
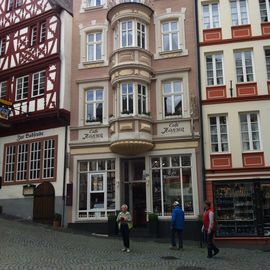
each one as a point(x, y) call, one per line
point(200, 102)
point(64, 176)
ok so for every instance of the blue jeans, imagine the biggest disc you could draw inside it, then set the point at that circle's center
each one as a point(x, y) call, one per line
point(180, 237)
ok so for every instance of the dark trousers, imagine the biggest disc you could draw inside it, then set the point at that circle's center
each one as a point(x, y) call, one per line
point(125, 234)
point(180, 237)
point(210, 244)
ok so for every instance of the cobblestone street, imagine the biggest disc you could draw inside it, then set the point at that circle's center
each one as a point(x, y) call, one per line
point(29, 246)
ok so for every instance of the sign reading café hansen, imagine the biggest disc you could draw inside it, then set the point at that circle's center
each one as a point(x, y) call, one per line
point(175, 128)
point(93, 135)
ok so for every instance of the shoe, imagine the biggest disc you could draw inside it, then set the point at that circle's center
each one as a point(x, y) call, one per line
point(210, 256)
point(216, 252)
point(128, 250)
point(173, 247)
point(124, 249)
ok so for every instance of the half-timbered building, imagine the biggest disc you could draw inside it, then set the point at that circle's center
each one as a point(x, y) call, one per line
point(35, 53)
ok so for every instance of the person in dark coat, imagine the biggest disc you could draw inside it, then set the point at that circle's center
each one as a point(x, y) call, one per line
point(209, 228)
point(177, 227)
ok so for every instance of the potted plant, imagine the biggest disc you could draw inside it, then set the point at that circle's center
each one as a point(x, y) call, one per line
point(57, 220)
point(153, 224)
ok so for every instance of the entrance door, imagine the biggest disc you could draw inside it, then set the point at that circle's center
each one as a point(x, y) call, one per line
point(134, 189)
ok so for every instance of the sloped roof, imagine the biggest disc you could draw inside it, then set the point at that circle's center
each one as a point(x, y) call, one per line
point(65, 4)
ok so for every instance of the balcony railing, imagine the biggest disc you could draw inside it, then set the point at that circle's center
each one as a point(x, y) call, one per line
point(113, 3)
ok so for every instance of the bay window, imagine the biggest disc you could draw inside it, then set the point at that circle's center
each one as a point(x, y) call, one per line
point(96, 188)
point(133, 34)
point(173, 98)
point(134, 98)
point(94, 100)
point(172, 180)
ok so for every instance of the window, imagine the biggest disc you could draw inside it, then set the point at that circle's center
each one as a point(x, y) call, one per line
point(214, 67)
point(93, 3)
point(219, 133)
point(133, 34)
point(250, 132)
point(22, 88)
point(96, 188)
point(30, 160)
point(127, 98)
point(131, 94)
point(33, 39)
point(10, 4)
point(94, 105)
point(2, 46)
point(22, 161)
point(94, 44)
point(42, 32)
point(38, 83)
point(244, 66)
point(211, 16)
point(265, 10)
point(267, 59)
point(239, 12)
point(3, 89)
point(170, 36)
point(18, 3)
point(173, 98)
point(172, 180)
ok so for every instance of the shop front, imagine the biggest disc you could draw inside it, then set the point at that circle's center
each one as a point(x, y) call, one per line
point(242, 208)
point(147, 184)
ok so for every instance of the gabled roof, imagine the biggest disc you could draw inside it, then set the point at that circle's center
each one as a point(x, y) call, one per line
point(65, 4)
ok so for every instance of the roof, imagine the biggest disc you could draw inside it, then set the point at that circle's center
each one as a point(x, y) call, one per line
point(65, 4)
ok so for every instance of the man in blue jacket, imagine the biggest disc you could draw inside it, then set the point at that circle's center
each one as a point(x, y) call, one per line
point(178, 219)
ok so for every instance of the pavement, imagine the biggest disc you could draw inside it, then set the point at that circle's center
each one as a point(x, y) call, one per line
point(25, 245)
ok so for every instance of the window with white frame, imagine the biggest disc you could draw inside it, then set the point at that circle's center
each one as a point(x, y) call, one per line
point(170, 36)
point(38, 83)
point(94, 46)
point(10, 158)
point(265, 10)
point(18, 3)
point(96, 188)
point(239, 12)
point(171, 181)
point(214, 68)
point(30, 160)
point(93, 3)
point(33, 36)
point(173, 97)
point(219, 133)
point(10, 4)
point(42, 32)
point(94, 105)
point(133, 34)
point(2, 46)
point(244, 66)
point(133, 94)
point(267, 60)
point(22, 88)
point(22, 160)
point(48, 159)
point(3, 89)
point(250, 131)
point(211, 16)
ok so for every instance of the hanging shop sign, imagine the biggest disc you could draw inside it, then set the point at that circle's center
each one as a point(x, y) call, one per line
point(4, 113)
